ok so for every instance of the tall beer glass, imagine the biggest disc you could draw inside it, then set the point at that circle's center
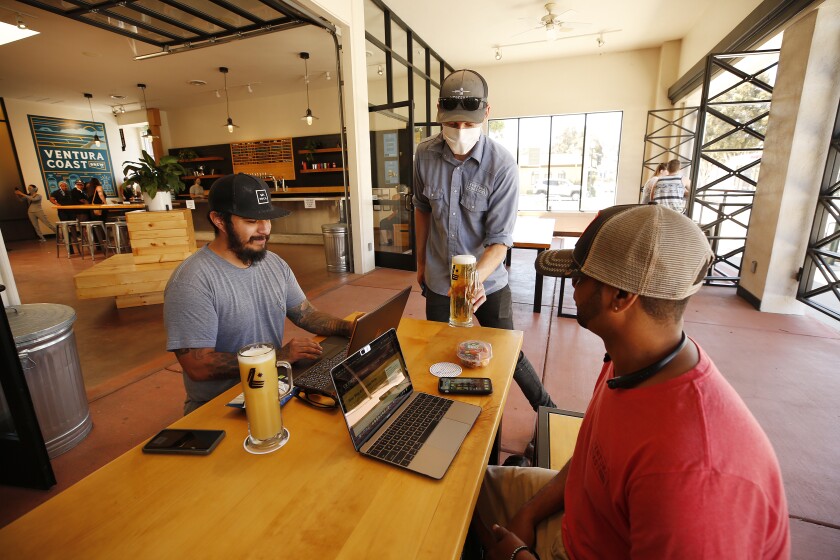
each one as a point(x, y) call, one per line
point(258, 372)
point(462, 289)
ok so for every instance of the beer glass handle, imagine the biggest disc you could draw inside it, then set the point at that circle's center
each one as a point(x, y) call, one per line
point(288, 367)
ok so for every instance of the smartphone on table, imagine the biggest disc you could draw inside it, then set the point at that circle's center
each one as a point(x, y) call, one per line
point(189, 442)
point(465, 385)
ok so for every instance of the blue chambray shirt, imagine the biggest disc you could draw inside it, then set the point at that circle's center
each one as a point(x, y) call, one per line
point(473, 204)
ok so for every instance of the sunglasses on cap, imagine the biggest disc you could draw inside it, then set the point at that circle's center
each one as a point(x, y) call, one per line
point(468, 103)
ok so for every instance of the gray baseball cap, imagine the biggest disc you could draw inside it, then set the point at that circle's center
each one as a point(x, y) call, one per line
point(461, 91)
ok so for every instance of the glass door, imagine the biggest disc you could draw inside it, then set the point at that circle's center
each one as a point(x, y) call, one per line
point(392, 153)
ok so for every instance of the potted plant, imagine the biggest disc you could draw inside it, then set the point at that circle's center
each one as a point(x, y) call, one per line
point(187, 154)
point(157, 181)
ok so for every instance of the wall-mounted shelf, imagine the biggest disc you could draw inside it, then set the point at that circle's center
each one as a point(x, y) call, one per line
point(183, 177)
point(209, 158)
point(328, 170)
point(320, 151)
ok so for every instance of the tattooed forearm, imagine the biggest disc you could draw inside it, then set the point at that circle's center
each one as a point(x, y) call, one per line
point(307, 317)
point(204, 364)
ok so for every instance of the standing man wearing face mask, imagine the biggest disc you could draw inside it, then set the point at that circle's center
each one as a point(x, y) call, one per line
point(466, 188)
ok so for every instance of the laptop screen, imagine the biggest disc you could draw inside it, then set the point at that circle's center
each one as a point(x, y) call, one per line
point(371, 385)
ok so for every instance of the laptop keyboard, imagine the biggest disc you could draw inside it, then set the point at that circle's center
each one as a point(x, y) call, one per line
point(319, 376)
point(401, 441)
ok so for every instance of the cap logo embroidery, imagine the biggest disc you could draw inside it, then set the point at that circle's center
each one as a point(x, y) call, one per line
point(460, 91)
point(262, 197)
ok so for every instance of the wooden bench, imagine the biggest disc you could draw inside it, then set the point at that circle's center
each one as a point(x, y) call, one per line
point(160, 241)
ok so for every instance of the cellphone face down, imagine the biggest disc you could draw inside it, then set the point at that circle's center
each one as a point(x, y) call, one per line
point(465, 385)
point(188, 442)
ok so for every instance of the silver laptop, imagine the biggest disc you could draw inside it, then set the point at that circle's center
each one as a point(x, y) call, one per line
point(313, 376)
point(389, 420)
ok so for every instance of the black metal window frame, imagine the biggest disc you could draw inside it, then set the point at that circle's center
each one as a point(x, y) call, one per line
point(727, 207)
point(669, 134)
point(583, 151)
point(823, 251)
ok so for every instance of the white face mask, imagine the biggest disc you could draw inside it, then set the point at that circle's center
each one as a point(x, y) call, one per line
point(461, 140)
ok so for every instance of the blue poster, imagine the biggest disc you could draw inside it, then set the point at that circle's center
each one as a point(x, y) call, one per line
point(67, 151)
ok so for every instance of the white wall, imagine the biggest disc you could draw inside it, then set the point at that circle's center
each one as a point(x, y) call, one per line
point(718, 21)
point(624, 82)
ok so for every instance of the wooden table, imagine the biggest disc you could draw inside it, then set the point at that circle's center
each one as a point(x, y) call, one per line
point(314, 498)
point(533, 233)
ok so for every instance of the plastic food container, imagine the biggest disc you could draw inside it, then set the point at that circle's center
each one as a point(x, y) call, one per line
point(474, 353)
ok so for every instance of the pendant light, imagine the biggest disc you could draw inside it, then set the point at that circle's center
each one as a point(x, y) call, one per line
point(230, 126)
point(96, 140)
point(308, 117)
point(148, 133)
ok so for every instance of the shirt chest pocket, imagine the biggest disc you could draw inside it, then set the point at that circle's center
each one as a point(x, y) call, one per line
point(475, 197)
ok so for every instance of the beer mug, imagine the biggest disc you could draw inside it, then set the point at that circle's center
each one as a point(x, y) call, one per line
point(258, 371)
point(463, 288)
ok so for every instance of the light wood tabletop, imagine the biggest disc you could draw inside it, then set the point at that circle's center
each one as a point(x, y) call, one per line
point(314, 498)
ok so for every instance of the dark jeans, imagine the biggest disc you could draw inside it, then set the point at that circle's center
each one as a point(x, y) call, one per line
point(496, 312)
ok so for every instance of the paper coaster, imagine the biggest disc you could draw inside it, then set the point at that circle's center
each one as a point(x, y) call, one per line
point(445, 369)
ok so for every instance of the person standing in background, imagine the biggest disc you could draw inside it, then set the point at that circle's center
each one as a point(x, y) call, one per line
point(34, 210)
point(62, 197)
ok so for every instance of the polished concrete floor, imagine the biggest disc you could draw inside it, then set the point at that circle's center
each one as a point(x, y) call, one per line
point(784, 367)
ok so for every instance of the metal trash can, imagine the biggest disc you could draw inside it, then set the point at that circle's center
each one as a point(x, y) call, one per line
point(46, 346)
point(335, 247)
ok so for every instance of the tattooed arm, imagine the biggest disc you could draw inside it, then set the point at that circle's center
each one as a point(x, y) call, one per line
point(307, 317)
point(205, 364)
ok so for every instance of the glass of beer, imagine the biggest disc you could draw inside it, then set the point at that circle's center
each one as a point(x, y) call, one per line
point(462, 290)
point(258, 371)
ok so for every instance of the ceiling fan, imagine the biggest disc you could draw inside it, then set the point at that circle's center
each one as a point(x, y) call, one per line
point(553, 23)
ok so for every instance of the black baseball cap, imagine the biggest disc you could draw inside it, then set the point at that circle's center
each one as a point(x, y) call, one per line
point(245, 196)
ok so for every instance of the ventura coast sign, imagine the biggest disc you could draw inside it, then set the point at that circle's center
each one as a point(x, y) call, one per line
point(66, 152)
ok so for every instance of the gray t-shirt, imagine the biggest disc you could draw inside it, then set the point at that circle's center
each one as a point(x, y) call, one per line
point(209, 303)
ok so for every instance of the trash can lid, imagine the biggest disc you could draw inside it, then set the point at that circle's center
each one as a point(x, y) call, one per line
point(32, 321)
point(334, 228)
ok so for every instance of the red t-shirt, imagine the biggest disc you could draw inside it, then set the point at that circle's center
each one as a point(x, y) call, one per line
point(675, 470)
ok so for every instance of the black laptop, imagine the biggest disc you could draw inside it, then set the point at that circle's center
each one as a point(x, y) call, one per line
point(313, 376)
point(390, 421)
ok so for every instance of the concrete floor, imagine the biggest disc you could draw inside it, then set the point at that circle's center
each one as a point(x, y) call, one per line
point(784, 367)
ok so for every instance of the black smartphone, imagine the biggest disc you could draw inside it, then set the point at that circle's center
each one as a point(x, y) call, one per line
point(190, 442)
point(465, 386)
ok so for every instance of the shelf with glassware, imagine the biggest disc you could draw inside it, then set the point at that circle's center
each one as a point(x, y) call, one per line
point(319, 155)
point(203, 162)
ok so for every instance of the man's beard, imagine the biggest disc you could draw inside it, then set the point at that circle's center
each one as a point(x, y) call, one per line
point(243, 253)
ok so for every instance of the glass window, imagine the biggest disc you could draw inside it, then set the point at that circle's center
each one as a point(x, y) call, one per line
point(374, 21)
point(566, 162)
point(399, 40)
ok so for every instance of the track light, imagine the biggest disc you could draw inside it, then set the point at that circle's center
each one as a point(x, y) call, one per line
point(19, 22)
point(600, 41)
point(498, 53)
point(218, 94)
point(250, 89)
point(328, 77)
point(379, 69)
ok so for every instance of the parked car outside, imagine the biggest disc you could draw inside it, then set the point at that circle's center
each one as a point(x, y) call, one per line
point(560, 188)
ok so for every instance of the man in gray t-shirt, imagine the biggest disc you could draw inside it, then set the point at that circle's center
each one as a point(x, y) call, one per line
point(233, 292)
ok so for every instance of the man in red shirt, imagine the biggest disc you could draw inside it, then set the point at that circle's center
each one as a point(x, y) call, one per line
point(669, 462)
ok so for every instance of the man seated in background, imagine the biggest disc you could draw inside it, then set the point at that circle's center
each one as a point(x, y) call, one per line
point(669, 462)
point(233, 292)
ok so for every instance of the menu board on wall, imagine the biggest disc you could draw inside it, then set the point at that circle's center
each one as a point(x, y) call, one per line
point(264, 157)
point(66, 152)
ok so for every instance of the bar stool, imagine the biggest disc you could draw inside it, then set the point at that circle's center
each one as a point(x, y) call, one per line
point(67, 234)
point(93, 234)
point(117, 237)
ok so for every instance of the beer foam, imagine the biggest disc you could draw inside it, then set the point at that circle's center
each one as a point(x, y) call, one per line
point(463, 259)
point(255, 354)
